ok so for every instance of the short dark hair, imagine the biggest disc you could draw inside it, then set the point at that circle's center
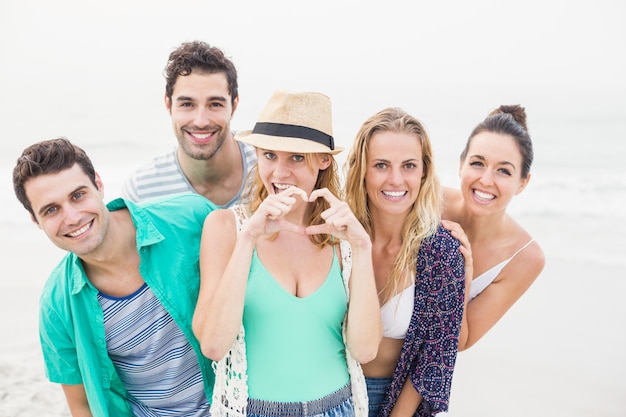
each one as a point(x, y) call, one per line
point(47, 157)
point(202, 57)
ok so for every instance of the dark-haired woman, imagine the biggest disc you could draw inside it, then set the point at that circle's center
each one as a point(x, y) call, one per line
point(494, 167)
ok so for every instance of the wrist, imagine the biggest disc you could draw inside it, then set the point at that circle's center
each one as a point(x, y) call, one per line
point(247, 236)
point(361, 246)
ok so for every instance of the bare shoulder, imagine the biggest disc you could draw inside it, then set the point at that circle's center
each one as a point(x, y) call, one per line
point(524, 268)
point(219, 235)
point(219, 223)
point(531, 257)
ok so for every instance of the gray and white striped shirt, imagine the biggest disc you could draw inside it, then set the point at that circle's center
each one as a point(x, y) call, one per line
point(164, 176)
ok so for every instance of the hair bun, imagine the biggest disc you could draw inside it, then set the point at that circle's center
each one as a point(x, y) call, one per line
point(515, 110)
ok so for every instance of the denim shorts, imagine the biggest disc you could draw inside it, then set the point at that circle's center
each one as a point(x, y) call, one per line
point(336, 404)
point(376, 391)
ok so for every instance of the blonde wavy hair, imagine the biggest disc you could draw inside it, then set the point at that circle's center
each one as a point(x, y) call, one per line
point(425, 215)
point(327, 178)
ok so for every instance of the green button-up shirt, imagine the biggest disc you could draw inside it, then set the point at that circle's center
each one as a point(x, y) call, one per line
point(71, 321)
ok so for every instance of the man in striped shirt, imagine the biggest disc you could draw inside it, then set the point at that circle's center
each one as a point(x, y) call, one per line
point(201, 95)
point(116, 312)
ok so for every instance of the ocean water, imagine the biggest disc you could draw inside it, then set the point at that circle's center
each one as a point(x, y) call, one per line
point(574, 204)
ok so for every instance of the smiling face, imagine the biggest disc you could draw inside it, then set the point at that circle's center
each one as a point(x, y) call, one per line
point(201, 108)
point(280, 170)
point(394, 172)
point(491, 172)
point(69, 209)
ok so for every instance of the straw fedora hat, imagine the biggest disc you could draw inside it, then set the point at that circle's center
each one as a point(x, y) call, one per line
point(294, 122)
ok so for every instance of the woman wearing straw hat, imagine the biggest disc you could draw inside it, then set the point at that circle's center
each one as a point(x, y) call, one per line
point(273, 304)
point(419, 268)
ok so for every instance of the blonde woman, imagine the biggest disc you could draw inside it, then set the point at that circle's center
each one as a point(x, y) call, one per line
point(494, 167)
point(277, 267)
point(418, 265)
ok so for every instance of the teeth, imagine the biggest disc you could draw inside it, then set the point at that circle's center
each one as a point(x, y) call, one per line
point(80, 231)
point(394, 193)
point(282, 186)
point(484, 196)
point(201, 135)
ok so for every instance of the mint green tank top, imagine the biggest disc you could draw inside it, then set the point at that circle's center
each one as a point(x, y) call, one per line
point(295, 349)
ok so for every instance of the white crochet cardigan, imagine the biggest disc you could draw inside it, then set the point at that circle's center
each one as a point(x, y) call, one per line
point(230, 392)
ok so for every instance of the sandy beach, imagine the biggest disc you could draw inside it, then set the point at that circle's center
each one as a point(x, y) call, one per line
point(557, 352)
point(24, 390)
point(93, 73)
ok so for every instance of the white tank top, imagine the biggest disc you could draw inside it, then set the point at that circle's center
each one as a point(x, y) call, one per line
point(483, 280)
point(396, 313)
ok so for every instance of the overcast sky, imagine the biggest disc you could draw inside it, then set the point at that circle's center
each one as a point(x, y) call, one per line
point(64, 60)
point(546, 41)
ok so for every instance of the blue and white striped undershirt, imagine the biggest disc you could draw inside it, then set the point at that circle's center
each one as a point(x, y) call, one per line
point(152, 356)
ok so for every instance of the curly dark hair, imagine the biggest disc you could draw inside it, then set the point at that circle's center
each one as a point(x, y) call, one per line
point(202, 57)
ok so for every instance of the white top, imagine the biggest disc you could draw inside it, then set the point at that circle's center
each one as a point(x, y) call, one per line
point(396, 313)
point(483, 280)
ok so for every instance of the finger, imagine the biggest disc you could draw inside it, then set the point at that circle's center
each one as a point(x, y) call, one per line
point(325, 194)
point(336, 220)
point(450, 225)
point(466, 253)
point(284, 202)
point(337, 210)
point(290, 227)
point(273, 208)
point(272, 212)
point(291, 191)
point(456, 230)
point(318, 229)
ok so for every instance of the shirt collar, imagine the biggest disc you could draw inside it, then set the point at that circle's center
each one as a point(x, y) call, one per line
point(146, 234)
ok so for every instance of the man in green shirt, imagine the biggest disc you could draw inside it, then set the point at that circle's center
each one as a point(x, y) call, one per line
point(115, 314)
